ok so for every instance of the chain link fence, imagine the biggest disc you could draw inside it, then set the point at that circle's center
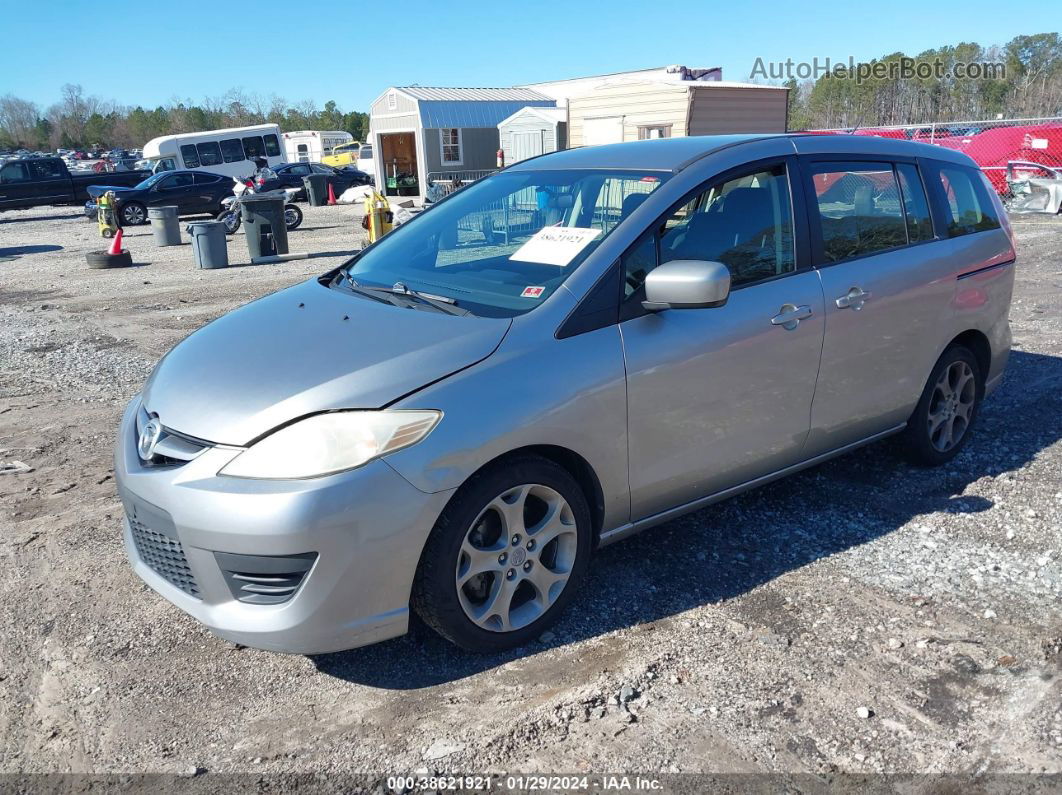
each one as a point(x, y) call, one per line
point(1007, 150)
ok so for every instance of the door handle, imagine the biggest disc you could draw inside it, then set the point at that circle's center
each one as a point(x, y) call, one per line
point(790, 315)
point(853, 299)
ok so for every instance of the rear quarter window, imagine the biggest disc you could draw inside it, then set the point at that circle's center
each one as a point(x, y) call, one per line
point(969, 207)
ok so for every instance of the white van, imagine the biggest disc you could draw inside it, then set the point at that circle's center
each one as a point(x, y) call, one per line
point(231, 151)
point(309, 146)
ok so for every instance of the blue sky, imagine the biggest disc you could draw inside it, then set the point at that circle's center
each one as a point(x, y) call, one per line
point(152, 51)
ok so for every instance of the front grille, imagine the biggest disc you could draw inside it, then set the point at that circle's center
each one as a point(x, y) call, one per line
point(164, 556)
point(172, 448)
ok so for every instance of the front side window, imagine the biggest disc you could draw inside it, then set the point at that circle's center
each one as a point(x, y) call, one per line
point(253, 147)
point(299, 171)
point(969, 205)
point(14, 172)
point(745, 222)
point(209, 153)
point(272, 145)
point(190, 156)
point(859, 209)
point(232, 150)
point(502, 245)
point(451, 145)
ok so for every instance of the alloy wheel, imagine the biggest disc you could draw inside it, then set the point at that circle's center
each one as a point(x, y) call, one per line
point(516, 558)
point(951, 406)
point(133, 214)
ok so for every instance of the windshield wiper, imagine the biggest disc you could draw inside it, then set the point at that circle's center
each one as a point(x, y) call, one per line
point(440, 302)
point(368, 292)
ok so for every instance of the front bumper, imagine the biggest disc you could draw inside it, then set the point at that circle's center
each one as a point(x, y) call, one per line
point(367, 528)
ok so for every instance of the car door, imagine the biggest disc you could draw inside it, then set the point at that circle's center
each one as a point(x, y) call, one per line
point(53, 184)
point(887, 282)
point(16, 190)
point(717, 397)
point(207, 194)
point(176, 190)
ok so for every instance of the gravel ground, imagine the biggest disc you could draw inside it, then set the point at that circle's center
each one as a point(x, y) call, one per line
point(861, 617)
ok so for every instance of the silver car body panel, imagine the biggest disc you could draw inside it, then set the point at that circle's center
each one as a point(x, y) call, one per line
point(670, 412)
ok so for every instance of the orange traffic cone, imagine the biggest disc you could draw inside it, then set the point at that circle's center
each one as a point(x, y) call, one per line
point(116, 244)
point(331, 194)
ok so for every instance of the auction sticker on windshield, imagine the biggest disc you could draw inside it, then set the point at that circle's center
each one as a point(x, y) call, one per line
point(555, 245)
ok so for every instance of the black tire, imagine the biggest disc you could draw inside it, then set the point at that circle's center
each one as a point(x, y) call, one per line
point(435, 593)
point(292, 216)
point(232, 221)
point(917, 439)
point(133, 214)
point(101, 259)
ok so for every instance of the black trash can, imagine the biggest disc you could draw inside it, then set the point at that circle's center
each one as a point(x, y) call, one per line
point(316, 189)
point(263, 224)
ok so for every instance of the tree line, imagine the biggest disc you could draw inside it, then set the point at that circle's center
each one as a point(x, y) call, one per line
point(79, 120)
point(1029, 84)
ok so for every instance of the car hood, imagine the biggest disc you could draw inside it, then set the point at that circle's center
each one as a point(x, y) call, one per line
point(303, 350)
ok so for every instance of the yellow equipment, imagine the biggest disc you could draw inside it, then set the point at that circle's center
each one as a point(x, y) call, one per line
point(107, 214)
point(343, 155)
point(378, 216)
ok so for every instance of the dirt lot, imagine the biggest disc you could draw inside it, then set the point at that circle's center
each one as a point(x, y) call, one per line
point(863, 616)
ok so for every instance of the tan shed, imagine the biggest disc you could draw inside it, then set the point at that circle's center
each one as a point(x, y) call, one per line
point(655, 109)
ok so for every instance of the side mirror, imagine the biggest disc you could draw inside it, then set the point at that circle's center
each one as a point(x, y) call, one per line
point(687, 284)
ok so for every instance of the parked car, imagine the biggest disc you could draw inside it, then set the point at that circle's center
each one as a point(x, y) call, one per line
point(574, 349)
point(192, 192)
point(46, 180)
point(289, 175)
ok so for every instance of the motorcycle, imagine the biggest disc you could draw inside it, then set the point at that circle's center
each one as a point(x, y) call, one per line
point(232, 217)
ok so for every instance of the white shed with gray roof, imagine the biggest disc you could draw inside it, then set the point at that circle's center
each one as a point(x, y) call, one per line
point(533, 131)
point(440, 133)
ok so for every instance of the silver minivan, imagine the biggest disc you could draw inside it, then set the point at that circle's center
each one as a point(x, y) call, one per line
point(582, 346)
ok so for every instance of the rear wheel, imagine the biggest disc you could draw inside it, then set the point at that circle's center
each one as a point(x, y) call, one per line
point(941, 422)
point(506, 556)
point(231, 220)
point(292, 216)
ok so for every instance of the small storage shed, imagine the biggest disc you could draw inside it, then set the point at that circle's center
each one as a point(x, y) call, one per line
point(656, 109)
point(533, 131)
point(420, 133)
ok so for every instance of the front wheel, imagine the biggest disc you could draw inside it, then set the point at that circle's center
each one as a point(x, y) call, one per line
point(506, 556)
point(292, 216)
point(134, 214)
point(941, 422)
point(231, 220)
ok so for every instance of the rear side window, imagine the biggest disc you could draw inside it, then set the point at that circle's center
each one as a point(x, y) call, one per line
point(915, 206)
point(209, 153)
point(206, 179)
point(190, 156)
point(969, 205)
point(46, 169)
point(253, 147)
point(272, 146)
point(859, 209)
point(232, 150)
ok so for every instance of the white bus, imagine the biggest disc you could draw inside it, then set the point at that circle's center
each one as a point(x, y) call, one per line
point(309, 146)
point(232, 151)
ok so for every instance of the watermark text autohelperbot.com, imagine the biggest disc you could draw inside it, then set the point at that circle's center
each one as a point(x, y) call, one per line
point(899, 69)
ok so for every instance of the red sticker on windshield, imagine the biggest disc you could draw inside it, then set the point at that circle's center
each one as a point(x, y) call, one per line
point(532, 292)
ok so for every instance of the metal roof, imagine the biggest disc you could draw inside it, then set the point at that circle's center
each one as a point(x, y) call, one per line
point(472, 94)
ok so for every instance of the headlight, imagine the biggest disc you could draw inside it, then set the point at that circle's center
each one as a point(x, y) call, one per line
point(328, 443)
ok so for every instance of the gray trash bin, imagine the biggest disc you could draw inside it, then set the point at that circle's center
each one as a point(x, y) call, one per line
point(165, 226)
point(263, 224)
point(209, 244)
point(316, 186)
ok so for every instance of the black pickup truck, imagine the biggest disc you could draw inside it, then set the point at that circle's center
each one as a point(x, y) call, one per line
point(45, 180)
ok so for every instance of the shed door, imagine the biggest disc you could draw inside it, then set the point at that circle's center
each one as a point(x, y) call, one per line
point(526, 144)
point(605, 130)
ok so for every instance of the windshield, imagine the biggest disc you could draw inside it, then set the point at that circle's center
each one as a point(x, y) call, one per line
point(147, 183)
point(501, 246)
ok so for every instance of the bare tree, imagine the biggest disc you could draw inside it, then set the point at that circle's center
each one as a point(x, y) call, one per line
point(18, 118)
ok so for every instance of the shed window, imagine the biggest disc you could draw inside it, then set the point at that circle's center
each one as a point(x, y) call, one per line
point(654, 131)
point(451, 145)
